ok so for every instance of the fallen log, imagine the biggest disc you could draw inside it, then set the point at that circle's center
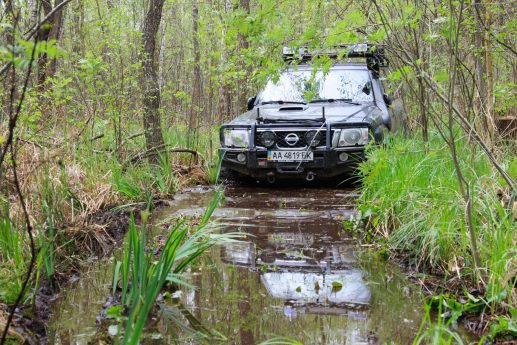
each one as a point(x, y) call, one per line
point(158, 149)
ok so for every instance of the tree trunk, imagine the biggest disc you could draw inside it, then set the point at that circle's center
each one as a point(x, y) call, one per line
point(7, 36)
point(149, 78)
point(489, 76)
point(483, 70)
point(55, 34)
point(196, 91)
point(50, 31)
point(44, 35)
point(78, 26)
point(243, 45)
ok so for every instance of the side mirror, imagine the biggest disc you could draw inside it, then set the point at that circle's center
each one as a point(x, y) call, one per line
point(367, 88)
point(251, 102)
point(387, 99)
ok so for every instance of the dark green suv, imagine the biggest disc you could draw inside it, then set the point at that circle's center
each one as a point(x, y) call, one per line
point(312, 124)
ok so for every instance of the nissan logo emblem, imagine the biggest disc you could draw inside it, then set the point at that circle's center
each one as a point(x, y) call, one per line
point(291, 139)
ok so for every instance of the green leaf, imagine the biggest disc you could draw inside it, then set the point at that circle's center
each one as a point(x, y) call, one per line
point(336, 287)
point(441, 76)
point(115, 312)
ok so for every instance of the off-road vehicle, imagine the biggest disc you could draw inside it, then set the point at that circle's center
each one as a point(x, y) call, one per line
point(312, 123)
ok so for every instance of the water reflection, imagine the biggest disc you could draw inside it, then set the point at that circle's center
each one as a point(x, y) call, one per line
point(336, 288)
point(296, 268)
point(296, 274)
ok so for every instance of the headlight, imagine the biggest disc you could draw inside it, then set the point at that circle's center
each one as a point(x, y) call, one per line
point(313, 138)
point(268, 139)
point(351, 137)
point(236, 137)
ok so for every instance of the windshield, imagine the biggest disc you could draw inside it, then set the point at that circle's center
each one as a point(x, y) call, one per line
point(303, 86)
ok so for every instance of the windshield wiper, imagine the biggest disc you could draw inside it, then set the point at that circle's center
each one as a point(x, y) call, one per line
point(331, 100)
point(282, 102)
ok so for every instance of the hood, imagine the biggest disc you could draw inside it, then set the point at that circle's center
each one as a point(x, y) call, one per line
point(334, 112)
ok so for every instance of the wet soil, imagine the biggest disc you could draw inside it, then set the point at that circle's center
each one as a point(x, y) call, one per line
point(296, 274)
point(31, 320)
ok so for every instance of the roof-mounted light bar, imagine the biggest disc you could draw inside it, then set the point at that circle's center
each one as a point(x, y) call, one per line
point(374, 54)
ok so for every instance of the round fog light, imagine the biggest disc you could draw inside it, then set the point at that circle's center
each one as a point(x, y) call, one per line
point(241, 157)
point(343, 156)
point(313, 138)
point(268, 139)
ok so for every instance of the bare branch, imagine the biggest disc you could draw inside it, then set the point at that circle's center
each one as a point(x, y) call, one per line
point(9, 144)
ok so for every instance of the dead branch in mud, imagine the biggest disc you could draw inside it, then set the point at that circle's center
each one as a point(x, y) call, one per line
point(12, 332)
point(132, 136)
point(97, 137)
point(157, 149)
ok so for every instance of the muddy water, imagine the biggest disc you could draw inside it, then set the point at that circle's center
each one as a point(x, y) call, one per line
point(296, 274)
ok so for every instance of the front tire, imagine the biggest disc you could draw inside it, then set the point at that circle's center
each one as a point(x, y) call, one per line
point(227, 176)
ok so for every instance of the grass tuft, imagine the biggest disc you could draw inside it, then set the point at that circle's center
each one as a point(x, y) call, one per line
point(141, 276)
point(412, 194)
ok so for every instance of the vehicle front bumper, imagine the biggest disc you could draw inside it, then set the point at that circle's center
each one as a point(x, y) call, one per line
point(326, 163)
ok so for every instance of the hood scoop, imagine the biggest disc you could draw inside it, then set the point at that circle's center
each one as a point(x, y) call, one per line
point(292, 108)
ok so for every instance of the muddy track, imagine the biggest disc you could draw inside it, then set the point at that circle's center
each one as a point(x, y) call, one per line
point(297, 273)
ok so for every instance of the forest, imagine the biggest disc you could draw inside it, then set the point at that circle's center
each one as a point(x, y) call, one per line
point(110, 113)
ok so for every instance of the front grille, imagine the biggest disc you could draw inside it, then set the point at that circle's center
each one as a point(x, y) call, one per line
point(281, 139)
point(286, 138)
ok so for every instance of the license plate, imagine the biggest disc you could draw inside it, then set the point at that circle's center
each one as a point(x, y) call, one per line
point(290, 156)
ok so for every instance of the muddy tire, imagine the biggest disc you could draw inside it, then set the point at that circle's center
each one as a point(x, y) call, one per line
point(227, 176)
point(230, 177)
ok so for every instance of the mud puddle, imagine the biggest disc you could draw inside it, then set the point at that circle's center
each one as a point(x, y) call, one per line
point(296, 274)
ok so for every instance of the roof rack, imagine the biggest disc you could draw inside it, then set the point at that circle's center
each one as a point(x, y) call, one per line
point(374, 54)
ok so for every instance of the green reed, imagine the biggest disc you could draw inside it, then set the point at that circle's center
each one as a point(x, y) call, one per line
point(142, 275)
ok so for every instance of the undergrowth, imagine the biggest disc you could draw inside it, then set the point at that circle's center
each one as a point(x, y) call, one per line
point(412, 205)
point(87, 178)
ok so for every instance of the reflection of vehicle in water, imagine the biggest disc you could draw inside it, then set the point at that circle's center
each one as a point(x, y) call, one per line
point(305, 270)
point(279, 280)
point(248, 291)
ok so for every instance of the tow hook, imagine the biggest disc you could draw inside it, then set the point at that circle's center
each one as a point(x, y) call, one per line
point(271, 177)
point(310, 176)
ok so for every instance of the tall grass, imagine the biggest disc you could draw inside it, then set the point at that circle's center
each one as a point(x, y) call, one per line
point(436, 331)
point(134, 180)
point(412, 193)
point(50, 204)
point(12, 259)
point(142, 276)
point(91, 176)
